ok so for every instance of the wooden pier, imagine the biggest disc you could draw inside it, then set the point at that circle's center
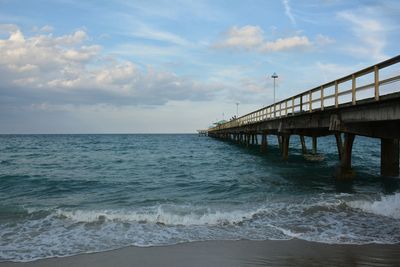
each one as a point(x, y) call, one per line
point(358, 104)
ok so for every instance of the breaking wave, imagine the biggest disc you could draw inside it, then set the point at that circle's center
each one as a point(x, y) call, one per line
point(386, 206)
point(184, 215)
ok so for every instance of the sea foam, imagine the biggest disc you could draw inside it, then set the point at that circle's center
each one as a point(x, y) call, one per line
point(175, 215)
point(387, 206)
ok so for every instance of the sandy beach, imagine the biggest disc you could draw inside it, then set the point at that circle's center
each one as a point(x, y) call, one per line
point(233, 253)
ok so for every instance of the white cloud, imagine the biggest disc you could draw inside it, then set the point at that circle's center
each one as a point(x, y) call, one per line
point(369, 31)
point(242, 37)
point(288, 11)
point(147, 32)
point(252, 38)
point(77, 37)
point(286, 44)
point(7, 28)
point(136, 28)
point(44, 29)
point(57, 66)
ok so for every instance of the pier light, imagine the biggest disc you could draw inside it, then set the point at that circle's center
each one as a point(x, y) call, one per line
point(274, 76)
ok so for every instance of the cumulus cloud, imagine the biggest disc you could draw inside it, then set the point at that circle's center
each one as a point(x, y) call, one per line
point(251, 37)
point(286, 44)
point(66, 69)
point(242, 37)
point(44, 29)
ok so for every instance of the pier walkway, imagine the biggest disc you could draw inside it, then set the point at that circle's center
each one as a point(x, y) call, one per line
point(365, 103)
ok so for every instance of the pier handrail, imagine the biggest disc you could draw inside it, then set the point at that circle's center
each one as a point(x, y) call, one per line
point(304, 101)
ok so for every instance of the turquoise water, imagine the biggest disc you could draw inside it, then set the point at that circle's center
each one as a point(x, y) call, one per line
point(68, 194)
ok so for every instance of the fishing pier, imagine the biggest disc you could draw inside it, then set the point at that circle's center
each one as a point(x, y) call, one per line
point(365, 103)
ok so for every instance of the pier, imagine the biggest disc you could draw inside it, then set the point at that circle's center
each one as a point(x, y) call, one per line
point(202, 132)
point(365, 103)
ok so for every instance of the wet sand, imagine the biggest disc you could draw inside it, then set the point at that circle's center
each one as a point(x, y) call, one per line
point(233, 253)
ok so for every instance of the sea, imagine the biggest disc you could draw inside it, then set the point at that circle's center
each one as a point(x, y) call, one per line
point(64, 195)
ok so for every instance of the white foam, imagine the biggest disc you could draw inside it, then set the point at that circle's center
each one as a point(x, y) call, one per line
point(176, 216)
point(387, 206)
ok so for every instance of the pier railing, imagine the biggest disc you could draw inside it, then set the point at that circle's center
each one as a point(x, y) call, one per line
point(346, 90)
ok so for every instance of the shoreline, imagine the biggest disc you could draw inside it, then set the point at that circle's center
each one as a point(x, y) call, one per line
point(293, 252)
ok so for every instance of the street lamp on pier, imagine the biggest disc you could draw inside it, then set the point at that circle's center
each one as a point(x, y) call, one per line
point(274, 76)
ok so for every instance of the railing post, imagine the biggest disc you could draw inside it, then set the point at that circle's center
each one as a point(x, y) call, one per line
point(376, 72)
point(353, 89)
point(336, 94)
point(301, 103)
point(292, 105)
point(286, 108)
point(310, 101)
point(322, 97)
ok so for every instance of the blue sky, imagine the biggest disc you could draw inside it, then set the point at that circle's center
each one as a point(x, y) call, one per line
point(123, 66)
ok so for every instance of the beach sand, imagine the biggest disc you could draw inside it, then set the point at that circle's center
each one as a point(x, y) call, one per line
point(233, 253)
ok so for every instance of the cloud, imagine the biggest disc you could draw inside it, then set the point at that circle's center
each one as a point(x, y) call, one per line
point(252, 38)
point(44, 29)
point(7, 28)
point(146, 32)
point(369, 31)
point(67, 69)
point(242, 37)
point(288, 11)
point(282, 44)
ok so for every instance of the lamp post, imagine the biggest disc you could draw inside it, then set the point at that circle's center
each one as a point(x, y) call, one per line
point(237, 109)
point(274, 76)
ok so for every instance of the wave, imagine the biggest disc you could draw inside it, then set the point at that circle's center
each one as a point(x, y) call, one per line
point(388, 206)
point(167, 215)
point(62, 232)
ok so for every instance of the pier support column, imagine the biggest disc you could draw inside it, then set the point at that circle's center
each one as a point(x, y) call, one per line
point(339, 144)
point(314, 145)
point(285, 146)
point(253, 142)
point(256, 137)
point(264, 142)
point(279, 141)
point(389, 157)
point(248, 140)
point(303, 144)
point(345, 171)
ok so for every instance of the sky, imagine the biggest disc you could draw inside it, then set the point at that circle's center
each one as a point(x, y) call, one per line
point(158, 66)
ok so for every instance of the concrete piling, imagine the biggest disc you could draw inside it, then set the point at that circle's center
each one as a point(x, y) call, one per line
point(345, 172)
point(303, 145)
point(389, 157)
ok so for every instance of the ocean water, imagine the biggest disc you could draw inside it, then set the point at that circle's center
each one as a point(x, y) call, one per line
point(69, 194)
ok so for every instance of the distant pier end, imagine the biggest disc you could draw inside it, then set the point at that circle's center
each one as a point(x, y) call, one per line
point(365, 103)
point(202, 132)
